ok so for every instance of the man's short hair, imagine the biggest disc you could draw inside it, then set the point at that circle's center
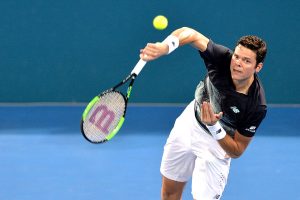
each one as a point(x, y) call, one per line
point(256, 44)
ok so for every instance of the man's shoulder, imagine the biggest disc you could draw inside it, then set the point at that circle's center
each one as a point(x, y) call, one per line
point(216, 50)
point(259, 93)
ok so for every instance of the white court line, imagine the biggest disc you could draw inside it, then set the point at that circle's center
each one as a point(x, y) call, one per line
point(49, 104)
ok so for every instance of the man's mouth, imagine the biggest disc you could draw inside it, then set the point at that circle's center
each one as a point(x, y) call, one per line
point(236, 71)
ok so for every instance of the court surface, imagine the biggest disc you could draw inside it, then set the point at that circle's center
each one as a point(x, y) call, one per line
point(44, 156)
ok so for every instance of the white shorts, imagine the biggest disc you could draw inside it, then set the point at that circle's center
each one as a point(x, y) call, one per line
point(191, 152)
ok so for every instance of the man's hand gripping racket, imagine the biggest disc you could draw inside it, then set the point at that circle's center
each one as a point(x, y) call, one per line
point(104, 115)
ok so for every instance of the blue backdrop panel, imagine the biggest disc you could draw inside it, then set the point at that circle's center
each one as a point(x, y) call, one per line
point(67, 51)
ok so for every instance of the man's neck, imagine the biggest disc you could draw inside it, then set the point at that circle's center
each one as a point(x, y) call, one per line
point(242, 86)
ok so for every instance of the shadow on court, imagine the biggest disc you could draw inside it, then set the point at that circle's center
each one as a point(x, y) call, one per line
point(44, 156)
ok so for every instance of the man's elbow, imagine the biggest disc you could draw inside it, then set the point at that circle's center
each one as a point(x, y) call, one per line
point(235, 155)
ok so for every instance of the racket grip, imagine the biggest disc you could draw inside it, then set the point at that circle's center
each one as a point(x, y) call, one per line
point(138, 67)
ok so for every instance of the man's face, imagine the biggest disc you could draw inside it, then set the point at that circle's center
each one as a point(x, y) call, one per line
point(243, 64)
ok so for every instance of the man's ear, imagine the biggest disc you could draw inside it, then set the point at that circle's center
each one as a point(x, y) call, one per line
point(258, 67)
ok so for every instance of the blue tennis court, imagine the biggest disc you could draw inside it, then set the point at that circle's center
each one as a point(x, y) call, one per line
point(44, 156)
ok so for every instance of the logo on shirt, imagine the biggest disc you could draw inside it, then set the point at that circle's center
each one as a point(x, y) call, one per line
point(235, 109)
point(251, 129)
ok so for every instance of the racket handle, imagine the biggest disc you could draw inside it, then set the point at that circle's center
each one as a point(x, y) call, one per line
point(138, 67)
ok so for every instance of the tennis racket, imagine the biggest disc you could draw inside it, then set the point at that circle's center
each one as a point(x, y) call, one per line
point(105, 114)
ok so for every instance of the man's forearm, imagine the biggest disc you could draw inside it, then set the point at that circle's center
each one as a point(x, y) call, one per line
point(190, 36)
point(234, 147)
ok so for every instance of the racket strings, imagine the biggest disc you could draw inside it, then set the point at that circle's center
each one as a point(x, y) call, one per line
point(104, 116)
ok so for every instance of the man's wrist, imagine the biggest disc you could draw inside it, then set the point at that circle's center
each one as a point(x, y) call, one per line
point(217, 131)
point(172, 42)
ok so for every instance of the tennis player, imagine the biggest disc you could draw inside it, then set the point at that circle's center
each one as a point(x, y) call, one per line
point(220, 122)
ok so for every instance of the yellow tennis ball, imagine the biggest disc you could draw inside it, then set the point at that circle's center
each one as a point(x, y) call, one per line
point(160, 22)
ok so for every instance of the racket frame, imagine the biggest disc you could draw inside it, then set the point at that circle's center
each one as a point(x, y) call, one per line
point(98, 98)
point(134, 73)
